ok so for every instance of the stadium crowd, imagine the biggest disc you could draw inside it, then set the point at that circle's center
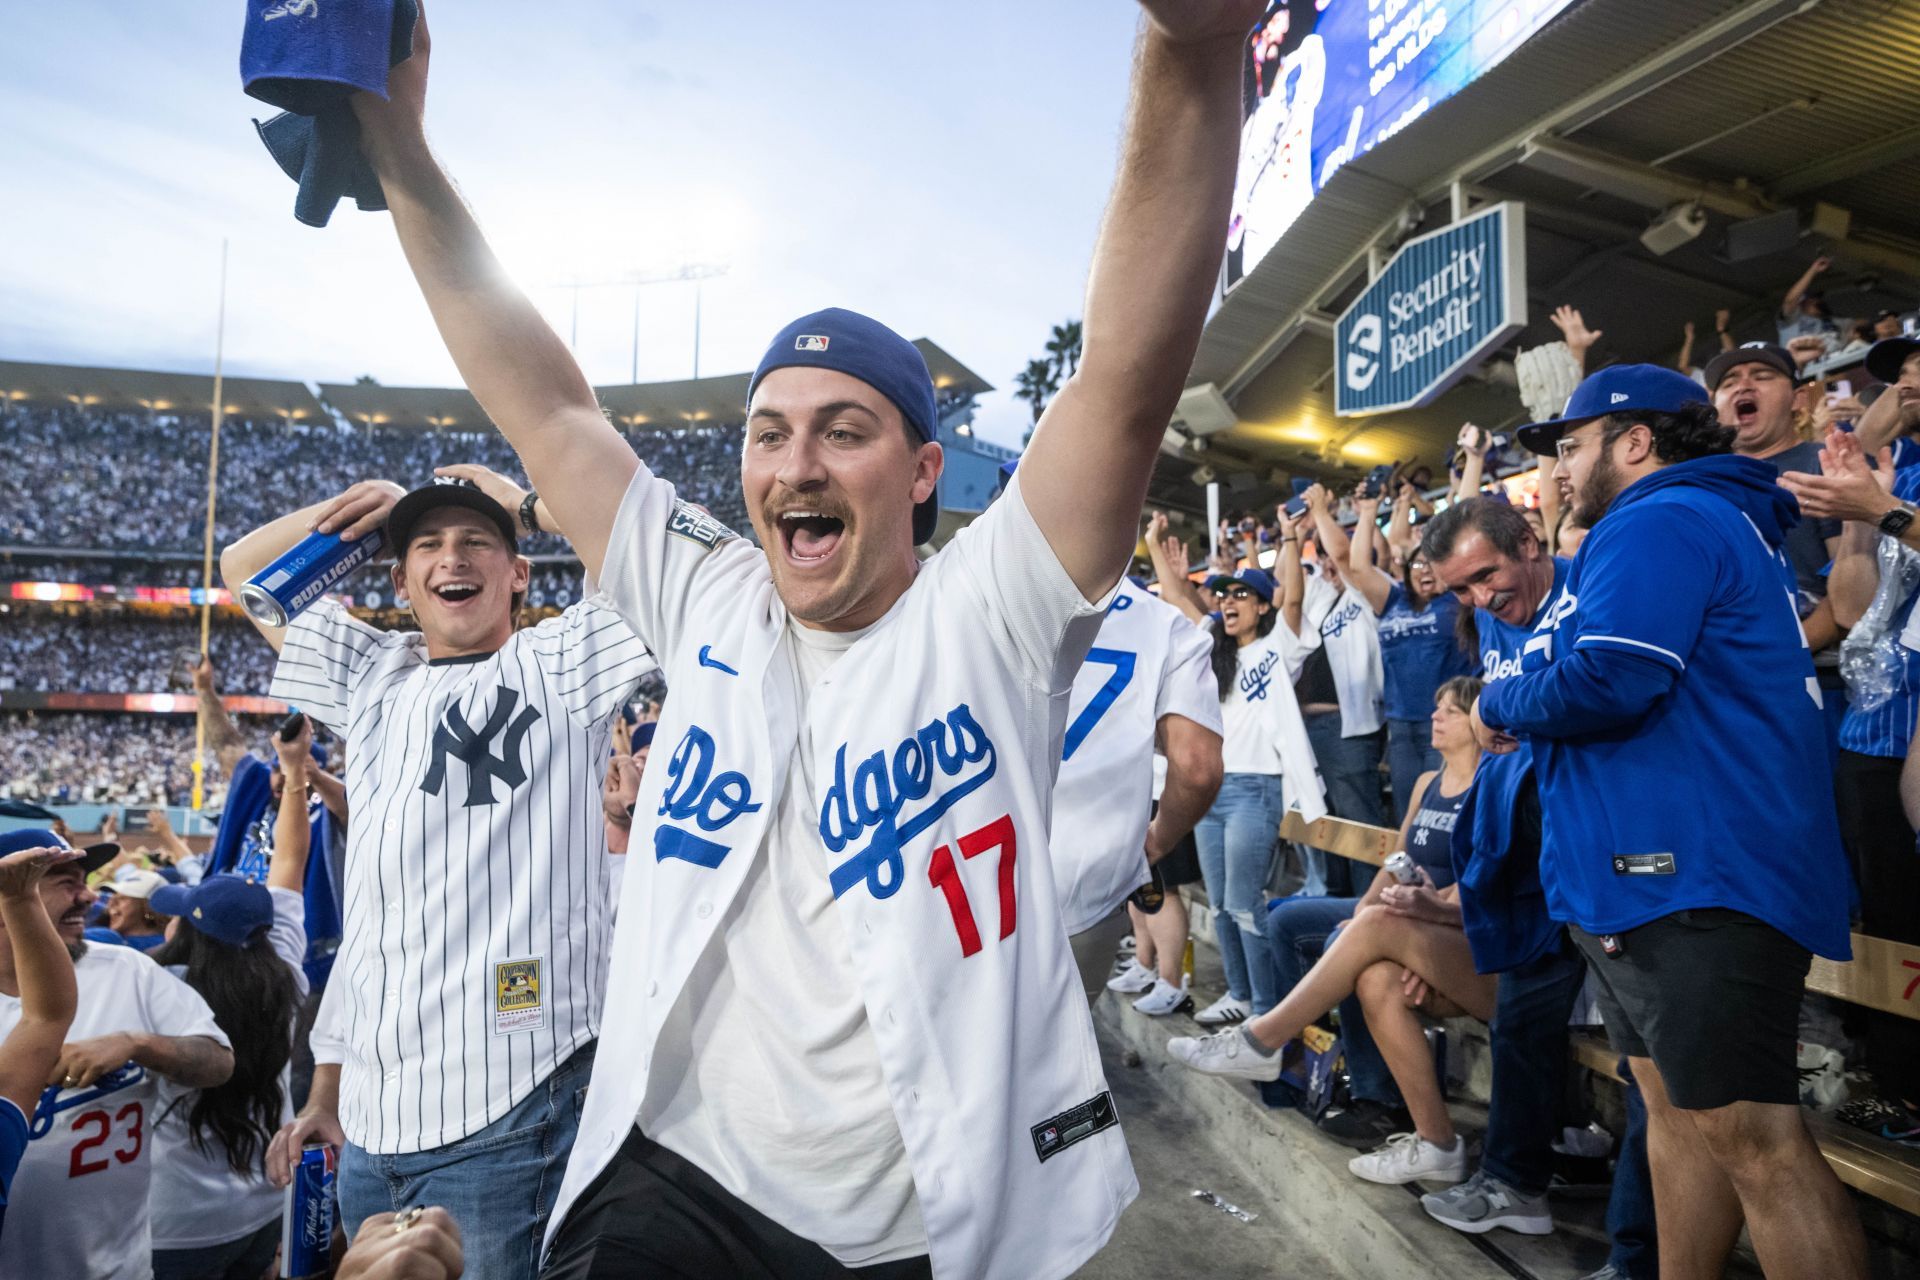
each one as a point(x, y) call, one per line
point(137, 482)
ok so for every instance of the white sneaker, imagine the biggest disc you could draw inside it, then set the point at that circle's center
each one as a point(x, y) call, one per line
point(1128, 945)
point(1408, 1157)
point(1224, 1012)
point(1224, 1053)
point(1165, 998)
point(1133, 979)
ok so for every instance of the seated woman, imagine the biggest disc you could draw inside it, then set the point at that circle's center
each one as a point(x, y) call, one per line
point(1405, 953)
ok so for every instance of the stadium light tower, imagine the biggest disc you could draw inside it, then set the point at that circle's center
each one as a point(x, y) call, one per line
point(638, 280)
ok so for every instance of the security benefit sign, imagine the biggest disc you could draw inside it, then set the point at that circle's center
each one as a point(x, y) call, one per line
point(1445, 301)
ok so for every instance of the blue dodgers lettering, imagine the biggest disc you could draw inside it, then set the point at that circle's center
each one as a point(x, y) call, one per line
point(694, 792)
point(1336, 623)
point(1255, 681)
point(871, 799)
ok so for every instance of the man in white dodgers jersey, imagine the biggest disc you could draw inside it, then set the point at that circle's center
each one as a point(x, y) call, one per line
point(1147, 679)
point(90, 1141)
point(843, 1025)
point(477, 923)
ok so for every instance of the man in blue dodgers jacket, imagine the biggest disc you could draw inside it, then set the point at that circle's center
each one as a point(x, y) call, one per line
point(844, 1030)
point(1690, 836)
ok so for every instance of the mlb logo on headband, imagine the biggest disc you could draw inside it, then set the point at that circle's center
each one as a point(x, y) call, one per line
point(810, 342)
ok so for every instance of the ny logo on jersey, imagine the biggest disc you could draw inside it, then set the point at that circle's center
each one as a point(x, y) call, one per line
point(454, 737)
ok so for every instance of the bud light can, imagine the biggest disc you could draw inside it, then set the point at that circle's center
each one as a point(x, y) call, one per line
point(306, 1221)
point(280, 592)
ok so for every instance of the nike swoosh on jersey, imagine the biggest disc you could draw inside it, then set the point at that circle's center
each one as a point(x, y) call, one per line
point(707, 660)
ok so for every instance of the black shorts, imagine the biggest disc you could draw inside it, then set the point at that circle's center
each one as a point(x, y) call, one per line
point(1712, 996)
point(652, 1213)
point(1181, 865)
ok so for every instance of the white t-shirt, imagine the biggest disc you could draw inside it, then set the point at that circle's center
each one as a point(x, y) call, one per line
point(820, 1152)
point(198, 1200)
point(1350, 629)
point(1250, 712)
point(78, 1206)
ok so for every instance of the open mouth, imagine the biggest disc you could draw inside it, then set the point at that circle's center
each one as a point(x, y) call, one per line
point(810, 536)
point(1745, 409)
point(456, 593)
point(75, 919)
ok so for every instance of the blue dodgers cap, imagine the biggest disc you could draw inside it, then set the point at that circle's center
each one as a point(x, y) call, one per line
point(92, 858)
point(863, 348)
point(1621, 388)
point(1258, 581)
point(226, 907)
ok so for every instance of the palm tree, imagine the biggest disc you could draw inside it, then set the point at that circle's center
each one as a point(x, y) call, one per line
point(1063, 348)
point(1036, 384)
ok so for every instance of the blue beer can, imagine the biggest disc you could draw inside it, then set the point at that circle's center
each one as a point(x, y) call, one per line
point(282, 591)
point(306, 1221)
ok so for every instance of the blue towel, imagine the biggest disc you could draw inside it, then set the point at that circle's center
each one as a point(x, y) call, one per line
point(309, 56)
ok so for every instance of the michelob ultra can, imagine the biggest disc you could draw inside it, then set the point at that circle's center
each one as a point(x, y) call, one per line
point(282, 591)
point(306, 1221)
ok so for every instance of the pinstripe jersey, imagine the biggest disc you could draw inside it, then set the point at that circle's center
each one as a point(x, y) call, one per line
point(477, 905)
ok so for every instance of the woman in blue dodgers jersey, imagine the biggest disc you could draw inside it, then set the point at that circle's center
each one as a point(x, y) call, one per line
point(1677, 685)
point(934, 1101)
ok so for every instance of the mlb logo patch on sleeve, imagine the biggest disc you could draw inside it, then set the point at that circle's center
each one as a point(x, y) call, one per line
point(1056, 1133)
point(689, 522)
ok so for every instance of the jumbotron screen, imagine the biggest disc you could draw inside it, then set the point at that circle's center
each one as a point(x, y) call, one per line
point(1328, 80)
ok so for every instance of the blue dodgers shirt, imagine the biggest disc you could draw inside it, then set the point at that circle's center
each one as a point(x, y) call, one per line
point(1419, 652)
point(1675, 718)
point(13, 1146)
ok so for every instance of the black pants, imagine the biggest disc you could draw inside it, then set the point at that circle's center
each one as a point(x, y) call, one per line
point(651, 1213)
point(1887, 868)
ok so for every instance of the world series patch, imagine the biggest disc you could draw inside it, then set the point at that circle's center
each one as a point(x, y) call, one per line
point(689, 522)
point(1055, 1134)
point(519, 1002)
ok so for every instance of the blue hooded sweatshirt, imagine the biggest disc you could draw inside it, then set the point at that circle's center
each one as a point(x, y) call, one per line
point(1675, 719)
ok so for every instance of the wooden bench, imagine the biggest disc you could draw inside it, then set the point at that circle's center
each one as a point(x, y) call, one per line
point(1882, 975)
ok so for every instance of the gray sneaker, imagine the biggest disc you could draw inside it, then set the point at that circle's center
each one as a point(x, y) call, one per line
point(1483, 1202)
point(1608, 1272)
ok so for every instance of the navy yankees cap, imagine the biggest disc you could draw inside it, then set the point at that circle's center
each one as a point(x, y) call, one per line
point(227, 908)
point(1885, 357)
point(863, 348)
point(1771, 354)
point(445, 491)
point(1258, 581)
point(1620, 388)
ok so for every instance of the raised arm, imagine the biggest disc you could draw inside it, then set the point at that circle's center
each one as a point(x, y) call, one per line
point(1684, 361)
point(1327, 534)
point(512, 361)
point(1790, 305)
point(292, 830)
point(1547, 482)
point(1290, 582)
point(1474, 443)
point(44, 972)
point(218, 728)
point(1400, 539)
point(352, 514)
point(1084, 476)
point(1170, 558)
point(1366, 576)
point(1573, 330)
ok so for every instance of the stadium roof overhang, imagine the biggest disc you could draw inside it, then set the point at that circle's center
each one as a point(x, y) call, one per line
point(1615, 111)
point(131, 389)
point(688, 402)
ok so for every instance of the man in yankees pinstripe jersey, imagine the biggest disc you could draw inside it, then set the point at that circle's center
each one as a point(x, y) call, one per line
point(477, 906)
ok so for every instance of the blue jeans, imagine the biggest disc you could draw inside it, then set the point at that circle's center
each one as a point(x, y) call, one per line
point(1235, 841)
point(498, 1184)
point(1298, 930)
point(1630, 1221)
point(1529, 1048)
point(1351, 770)
point(1410, 753)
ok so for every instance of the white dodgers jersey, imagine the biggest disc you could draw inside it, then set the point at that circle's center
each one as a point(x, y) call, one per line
point(1149, 661)
point(78, 1206)
point(934, 740)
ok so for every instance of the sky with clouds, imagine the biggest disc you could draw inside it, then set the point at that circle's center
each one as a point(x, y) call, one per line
point(942, 167)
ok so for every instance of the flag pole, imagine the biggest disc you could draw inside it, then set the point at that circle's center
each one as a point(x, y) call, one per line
point(206, 566)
